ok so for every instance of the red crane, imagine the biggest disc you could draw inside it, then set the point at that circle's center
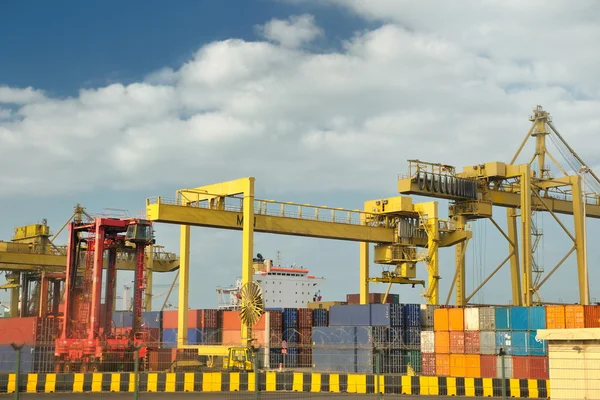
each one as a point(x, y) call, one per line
point(87, 343)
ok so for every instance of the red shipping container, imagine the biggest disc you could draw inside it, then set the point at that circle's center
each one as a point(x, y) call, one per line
point(374, 298)
point(488, 366)
point(275, 338)
point(457, 342)
point(305, 357)
point(18, 331)
point(196, 319)
point(520, 367)
point(592, 316)
point(428, 364)
point(442, 365)
point(305, 337)
point(538, 367)
point(276, 319)
point(472, 345)
point(159, 360)
point(152, 336)
point(304, 318)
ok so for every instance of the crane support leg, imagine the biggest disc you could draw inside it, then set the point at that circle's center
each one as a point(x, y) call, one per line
point(184, 275)
point(14, 297)
point(461, 249)
point(578, 216)
point(148, 299)
point(513, 248)
point(247, 245)
point(364, 273)
point(111, 279)
point(527, 255)
point(97, 280)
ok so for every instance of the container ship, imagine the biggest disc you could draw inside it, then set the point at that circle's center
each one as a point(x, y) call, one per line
point(282, 287)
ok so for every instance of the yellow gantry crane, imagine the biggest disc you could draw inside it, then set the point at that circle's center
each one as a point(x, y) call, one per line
point(522, 189)
point(32, 256)
point(396, 226)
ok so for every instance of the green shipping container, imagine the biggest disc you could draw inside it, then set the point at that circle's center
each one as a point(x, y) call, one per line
point(412, 358)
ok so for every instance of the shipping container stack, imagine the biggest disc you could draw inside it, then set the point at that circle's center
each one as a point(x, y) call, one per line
point(203, 327)
point(38, 335)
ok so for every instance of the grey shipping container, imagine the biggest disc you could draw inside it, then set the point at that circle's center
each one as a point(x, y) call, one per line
point(487, 319)
point(487, 342)
point(380, 315)
point(350, 315)
point(329, 360)
point(8, 359)
point(427, 316)
point(334, 337)
point(508, 367)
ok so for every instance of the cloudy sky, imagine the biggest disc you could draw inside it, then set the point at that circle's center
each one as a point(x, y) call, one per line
point(322, 101)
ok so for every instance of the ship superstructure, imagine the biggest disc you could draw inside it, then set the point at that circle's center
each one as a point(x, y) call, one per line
point(282, 287)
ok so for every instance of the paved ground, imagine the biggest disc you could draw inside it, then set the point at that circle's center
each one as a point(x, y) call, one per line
point(224, 396)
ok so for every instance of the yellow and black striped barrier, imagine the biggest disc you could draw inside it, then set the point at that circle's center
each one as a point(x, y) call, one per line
point(272, 382)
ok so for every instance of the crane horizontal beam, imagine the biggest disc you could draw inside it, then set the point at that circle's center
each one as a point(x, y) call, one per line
point(13, 258)
point(296, 225)
point(502, 199)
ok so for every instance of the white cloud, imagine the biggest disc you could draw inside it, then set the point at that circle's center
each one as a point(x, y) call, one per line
point(293, 32)
point(10, 95)
point(455, 89)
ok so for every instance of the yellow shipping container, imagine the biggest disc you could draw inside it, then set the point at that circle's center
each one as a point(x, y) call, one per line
point(440, 319)
point(574, 316)
point(324, 304)
point(456, 319)
point(555, 317)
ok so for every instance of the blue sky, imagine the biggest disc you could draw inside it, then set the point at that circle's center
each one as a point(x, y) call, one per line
point(322, 103)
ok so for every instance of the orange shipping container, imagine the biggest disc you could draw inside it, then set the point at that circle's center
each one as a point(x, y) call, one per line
point(442, 364)
point(457, 365)
point(456, 319)
point(440, 319)
point(442, 342)
point(555, 317)
point(457, 342)
point(592, 316)
point(472, 366)
point(574, 316)
point(234, 337)
point(231, 321)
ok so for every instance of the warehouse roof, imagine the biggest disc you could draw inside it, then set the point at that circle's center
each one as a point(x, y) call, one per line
point(569, 334)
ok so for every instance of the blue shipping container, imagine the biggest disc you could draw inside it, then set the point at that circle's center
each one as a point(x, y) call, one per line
point(291, 357)
point(396, 336)
point(536, 348)
point(290, 335)
point(350, 315)
point(377, 336)
point(396, 311)
point(169, 337)
point(380, 315)
point(365, 361)
point(8, 359)
point(334, 336)
point(205, 335)
point(411, 314)
point(502, 318)
point(519, 343)
point(152, 319)
point(504, 339)
point(290, 318)
point(329, 360)
point(412, 337)
point(537, 318)
point(519, 317)
point(320, 317)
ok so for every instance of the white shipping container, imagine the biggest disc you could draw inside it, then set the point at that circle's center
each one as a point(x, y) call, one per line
point(426, 316)
point(427, 342)
point(508, 367)
point(487, 319)
point(471, 319)
point(487, 342)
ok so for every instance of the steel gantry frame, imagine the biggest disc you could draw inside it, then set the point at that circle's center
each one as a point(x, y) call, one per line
point(522, 189)
point(394, 225)
point(32, 255)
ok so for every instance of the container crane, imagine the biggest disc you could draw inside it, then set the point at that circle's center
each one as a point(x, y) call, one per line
point(86, 342)
point(522, 189)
